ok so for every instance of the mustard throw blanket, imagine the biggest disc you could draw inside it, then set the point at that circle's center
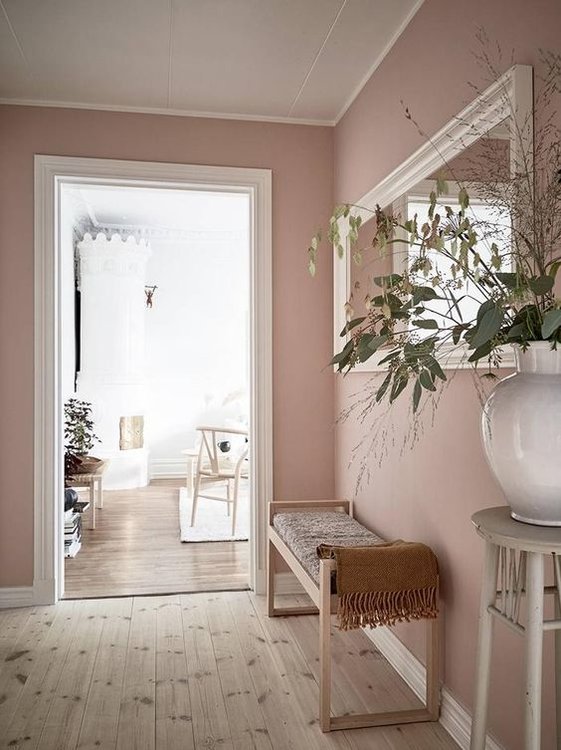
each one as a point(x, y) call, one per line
point(385, 583)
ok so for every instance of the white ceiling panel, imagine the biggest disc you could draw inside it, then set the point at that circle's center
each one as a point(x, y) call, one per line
point(255, 59)
point(357, 44)
point(296, 60)
point(104, 52)
point(15, 75)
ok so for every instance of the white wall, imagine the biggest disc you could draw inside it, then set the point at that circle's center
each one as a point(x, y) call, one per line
point(196, 340)
point(197, 332)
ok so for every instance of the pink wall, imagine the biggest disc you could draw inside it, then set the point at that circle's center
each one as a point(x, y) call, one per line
point(430, 493)
point(301, 160)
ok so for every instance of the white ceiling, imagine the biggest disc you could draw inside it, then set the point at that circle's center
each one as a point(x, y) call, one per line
point(301, 60)
point(163, 211)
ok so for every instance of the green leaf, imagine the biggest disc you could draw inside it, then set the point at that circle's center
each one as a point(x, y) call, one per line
point(399, 384)
point(391, 355)
point(551, 322)
point(377, 342)
point(457, 332)
point(463, 198)
point(344, 355)
point(388, 281)
point(434, 367)
point(481, 351)
point(517, 331)
point(381, 392)
point(351, 324)
point(554, 268)
point(430, 323)
point(441, 186)
point(510, 280)
point(541, 285)
point(427, 381)
point(423, 294)
point(488, 327)
point(417, 391)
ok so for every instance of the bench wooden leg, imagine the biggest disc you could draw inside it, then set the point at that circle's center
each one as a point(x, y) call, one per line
point(270, 579)
point(432, 698)
point(325, 645)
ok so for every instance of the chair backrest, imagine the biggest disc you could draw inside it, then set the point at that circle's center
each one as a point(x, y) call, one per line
point(209, 445)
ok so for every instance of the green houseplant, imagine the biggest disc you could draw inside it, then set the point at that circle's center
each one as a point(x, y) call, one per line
point(79, 437)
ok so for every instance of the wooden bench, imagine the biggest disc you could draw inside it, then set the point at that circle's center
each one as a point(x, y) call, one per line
point(325, 603)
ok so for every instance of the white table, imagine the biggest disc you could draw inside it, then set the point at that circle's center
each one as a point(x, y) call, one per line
point(94, 482)
point(514, 566)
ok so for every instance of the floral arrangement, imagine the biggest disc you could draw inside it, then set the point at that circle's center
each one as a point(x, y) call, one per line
point(505, 264)
point(79, 436)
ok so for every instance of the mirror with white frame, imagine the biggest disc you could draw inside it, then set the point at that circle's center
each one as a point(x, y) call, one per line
point(478, 149)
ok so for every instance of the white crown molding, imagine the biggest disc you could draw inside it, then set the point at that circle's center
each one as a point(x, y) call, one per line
point(454, 717)
point(168, 111)
point(376, 64)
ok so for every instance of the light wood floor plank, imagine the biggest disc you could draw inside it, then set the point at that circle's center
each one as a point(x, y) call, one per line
point(26, 725)
point(64, 718)
point(174, 723)
point(101, 717)
point(210, 721)
point(247, 723)
point(286, 723)
point(292, 665)
point(137, 716)
point(12, 622)
point(20, 661)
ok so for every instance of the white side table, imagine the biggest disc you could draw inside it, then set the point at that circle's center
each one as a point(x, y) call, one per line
point(514, 565)
point(191, 455)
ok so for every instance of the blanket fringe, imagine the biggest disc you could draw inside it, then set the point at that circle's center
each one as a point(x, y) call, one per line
point(374, 608)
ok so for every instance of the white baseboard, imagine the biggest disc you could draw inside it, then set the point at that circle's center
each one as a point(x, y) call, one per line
point(454, 717)
point(167, 468)
point(16, 596)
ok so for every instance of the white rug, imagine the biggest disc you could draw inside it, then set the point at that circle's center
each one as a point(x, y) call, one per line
point(212, 522)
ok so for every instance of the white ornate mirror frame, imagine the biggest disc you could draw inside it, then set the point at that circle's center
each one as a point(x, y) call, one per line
point(510, 96)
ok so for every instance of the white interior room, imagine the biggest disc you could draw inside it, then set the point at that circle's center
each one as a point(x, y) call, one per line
point(155, 325)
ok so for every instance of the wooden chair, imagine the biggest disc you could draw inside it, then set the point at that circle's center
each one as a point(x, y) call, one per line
point(213, 467)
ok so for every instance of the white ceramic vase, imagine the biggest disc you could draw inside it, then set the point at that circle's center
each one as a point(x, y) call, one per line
point(521, 428)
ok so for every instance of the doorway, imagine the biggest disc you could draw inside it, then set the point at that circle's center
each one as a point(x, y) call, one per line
point(56, 176)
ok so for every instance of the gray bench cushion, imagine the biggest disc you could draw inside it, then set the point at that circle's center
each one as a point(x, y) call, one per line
point(304, 531)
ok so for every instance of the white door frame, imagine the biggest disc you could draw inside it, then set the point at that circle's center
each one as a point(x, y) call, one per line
point(50, 173)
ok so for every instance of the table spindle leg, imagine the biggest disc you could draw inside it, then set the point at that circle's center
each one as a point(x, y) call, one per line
point(483, 658)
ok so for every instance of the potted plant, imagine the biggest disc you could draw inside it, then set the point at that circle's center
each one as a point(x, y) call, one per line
point(507, 266)
point(79, 438)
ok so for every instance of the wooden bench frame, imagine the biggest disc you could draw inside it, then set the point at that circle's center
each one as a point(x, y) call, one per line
point(325, 604)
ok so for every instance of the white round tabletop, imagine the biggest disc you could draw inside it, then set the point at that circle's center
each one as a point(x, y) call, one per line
point(497, 526)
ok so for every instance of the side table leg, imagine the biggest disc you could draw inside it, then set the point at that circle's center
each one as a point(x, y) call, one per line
point(558, 672)
point(534, 646)
point(92, 503)
point(484, 643)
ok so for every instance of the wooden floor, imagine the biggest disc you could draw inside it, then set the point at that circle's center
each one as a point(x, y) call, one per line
point(190, 671)
point(135, 550)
